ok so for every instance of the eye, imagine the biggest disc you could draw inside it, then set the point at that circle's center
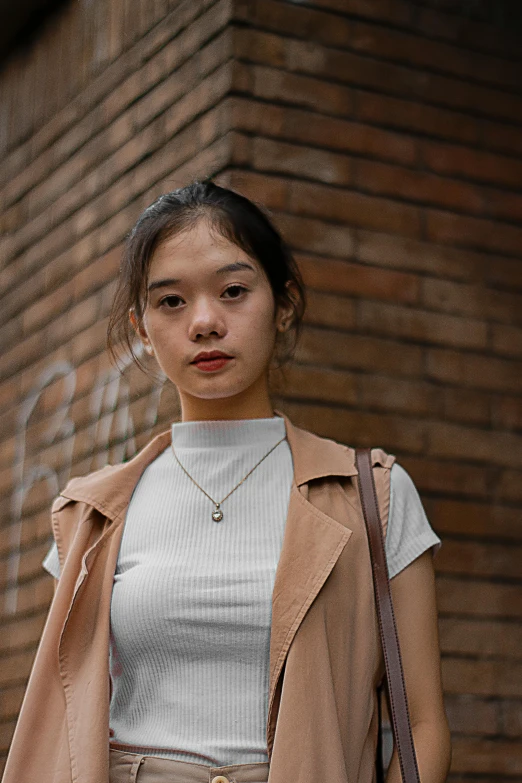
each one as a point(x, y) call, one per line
point(169, 299)
point(237, 288)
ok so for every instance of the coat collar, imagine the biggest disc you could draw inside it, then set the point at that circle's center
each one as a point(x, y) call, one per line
point(110, 489)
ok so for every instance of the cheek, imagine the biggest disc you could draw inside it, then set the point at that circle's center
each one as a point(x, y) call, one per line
point(162, 331)
point(263, 312)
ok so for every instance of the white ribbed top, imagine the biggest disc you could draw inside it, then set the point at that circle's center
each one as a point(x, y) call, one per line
point(191, 602)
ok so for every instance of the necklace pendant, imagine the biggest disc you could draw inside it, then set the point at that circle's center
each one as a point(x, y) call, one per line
point(217, 515)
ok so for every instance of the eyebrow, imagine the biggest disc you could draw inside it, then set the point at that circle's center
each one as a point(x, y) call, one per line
point(236, 266)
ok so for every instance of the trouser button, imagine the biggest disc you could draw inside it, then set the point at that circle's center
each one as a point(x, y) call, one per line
point(220, 779)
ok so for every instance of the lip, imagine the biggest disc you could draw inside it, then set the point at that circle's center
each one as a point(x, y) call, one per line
point(207, 355)
point(212, 365)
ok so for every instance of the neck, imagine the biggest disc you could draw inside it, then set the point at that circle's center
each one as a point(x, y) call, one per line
point(254, 403)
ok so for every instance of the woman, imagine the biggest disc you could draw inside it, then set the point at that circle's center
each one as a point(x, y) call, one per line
point(213, 617)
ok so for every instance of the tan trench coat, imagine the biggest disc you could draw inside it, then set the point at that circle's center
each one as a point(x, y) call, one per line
point(325, 656)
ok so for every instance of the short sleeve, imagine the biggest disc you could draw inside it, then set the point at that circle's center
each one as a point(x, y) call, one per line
point(51, 562)
point(409, 532)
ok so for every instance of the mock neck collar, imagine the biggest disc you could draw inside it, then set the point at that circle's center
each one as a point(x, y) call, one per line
point(227, 433)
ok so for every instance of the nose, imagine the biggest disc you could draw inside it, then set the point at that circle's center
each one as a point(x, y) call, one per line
point(206, 319)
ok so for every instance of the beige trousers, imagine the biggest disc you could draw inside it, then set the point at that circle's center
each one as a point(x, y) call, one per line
point(136, 768)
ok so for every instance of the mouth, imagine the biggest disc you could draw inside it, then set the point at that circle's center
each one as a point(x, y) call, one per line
point(212, 363)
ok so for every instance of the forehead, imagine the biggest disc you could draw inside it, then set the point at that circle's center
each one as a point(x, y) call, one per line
point(198, 244)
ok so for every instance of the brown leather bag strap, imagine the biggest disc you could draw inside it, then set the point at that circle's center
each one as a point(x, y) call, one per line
point(387, 627)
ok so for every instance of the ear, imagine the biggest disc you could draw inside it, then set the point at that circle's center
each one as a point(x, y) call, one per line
point(140, 331)
point(285, 311)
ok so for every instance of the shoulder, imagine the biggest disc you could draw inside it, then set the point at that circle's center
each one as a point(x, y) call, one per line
point(402, 483)
point(316, 456)
point(92, 477)
point(78, 484)
point(109, 489)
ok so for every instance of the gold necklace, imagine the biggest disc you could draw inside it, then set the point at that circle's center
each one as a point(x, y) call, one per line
point(217, 514)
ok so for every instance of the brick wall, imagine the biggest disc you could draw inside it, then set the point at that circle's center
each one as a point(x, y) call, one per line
point(385, 138)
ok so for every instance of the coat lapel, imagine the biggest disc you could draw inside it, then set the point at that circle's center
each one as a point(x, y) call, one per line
point(312, 543)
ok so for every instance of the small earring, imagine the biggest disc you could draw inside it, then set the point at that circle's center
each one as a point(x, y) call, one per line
point(149, 350)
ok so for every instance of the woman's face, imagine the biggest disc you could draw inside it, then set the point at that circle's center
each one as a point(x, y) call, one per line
point(205, 294)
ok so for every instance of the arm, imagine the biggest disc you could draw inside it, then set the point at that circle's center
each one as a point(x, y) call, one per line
point(415, 609)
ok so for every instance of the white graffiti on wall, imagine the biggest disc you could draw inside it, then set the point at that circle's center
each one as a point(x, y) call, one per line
point(109, 409)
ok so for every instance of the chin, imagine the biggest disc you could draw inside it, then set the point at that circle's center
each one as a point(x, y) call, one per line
point(217, 394)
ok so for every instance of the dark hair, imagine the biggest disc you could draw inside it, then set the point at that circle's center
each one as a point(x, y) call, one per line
point(231, 215)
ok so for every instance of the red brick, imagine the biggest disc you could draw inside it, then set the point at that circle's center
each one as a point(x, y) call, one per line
point(508, 487)
point(411, 116)
point(482, 677)
point(503, 205)
point(259, 46)
point(354, 351)
point(472, 232)
point(421, 325)
point(398, 46)
point(402, 396)
point(486, 757)
point(106, 101)
point(332, 132)
point(312, 383)
point(16, 668)
point(23, 633)
point(47, 308)
point(405, 253)
point(465, 597)
point(504, 138)
point(458, 160)
point(301, 22)
point(480, 560)
point(88, 342)
point(507, 340)
point(344, 277)
point(439, 476)
point(11, 332)
point(473, 370)
point(404, 81)
point(512, 718)
point(505, 273)
point(356, 209)
point(394, 11)
point(35, 595)
point(6, 735)
point(467, 32)
point(314, 93)
point(31, 561)
point(355, 427)
point(478, 301)
point(465, 405)
point(417, 186)
point(506, 412)
point(329, 310)
point(455, 441)
point(472, 715)
point(11, 700)
point(71, 189)
point(300, 161)
point(492, 521)
point(480, 638)
point(313, 236)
